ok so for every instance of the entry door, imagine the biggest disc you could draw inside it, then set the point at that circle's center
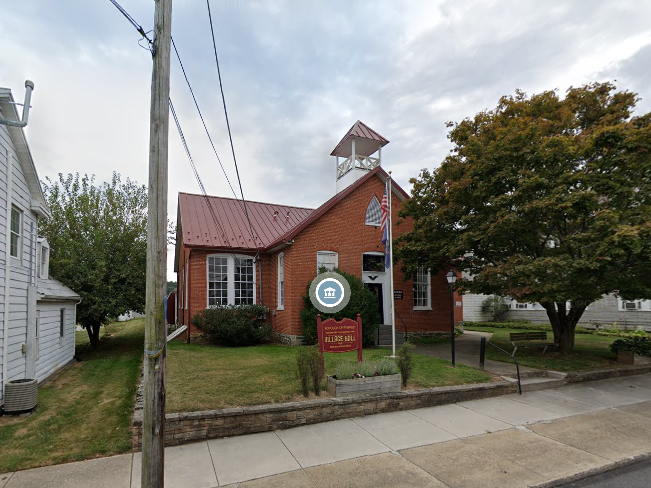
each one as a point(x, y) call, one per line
point(377, 289)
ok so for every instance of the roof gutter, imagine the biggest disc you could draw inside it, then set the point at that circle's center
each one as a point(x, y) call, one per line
point(29, 86)
point(280, 246)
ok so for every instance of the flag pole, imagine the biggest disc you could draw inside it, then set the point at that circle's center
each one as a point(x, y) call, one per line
point(390, 238)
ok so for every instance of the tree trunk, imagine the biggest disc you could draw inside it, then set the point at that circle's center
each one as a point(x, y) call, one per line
point(563, 323)
point(93, 335)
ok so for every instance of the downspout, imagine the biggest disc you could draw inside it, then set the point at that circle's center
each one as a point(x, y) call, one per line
point(257, 257)
point(189, 287)
point(30, 356)
point(5, 335)
point(29, 86)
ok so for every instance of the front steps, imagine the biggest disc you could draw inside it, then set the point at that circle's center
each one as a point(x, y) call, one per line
point(383, 336)
point(538, 380)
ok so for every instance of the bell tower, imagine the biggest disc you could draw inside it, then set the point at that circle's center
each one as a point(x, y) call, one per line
point(357, 148)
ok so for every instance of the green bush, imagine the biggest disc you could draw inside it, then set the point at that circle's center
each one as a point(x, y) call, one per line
point(429, 339)
point(496, 307)
point(362, 301)
point(316, 369)
point(303, 362)
point(233, 325)
point(637, 345)
point(386, 367)
point(345, 370)
point(523, 324)
point(406, 361)
point(348, 369)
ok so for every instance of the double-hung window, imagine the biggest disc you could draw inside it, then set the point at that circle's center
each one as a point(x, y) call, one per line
point(281, 281)
point(16, 226)
point(326, 259)
point(422, 291)
point(231, 280)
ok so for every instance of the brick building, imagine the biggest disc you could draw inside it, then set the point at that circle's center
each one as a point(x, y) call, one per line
point(221, 259)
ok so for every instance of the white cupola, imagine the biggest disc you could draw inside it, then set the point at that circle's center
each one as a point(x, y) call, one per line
point(357, 148)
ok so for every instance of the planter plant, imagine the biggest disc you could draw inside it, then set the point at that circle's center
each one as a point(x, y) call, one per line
point(632, 350)
point(364, 379)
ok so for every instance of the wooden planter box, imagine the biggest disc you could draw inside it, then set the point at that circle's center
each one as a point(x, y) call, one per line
point(628, 357)
point(361, 387)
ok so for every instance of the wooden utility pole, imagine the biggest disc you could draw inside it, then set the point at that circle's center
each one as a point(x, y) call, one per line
point(153, 425)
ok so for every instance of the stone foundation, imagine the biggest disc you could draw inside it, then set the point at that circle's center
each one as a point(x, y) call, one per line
point(183, 428)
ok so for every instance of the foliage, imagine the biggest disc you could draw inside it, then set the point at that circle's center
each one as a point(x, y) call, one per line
point(171, 286)
point(547, 199)
point(233, 325)
point(495, 306)
point(348, 369)
point(406, 361)
point(98, 245)
point(637, 345)
point(303, 363)
point(523, 324)
point(362, 301)
point(316, 370)
point(429, 339)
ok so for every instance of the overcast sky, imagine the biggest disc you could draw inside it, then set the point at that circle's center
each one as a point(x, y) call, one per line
point(296, 76)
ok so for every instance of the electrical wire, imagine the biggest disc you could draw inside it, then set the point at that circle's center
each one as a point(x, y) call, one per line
point(137, 26)
point(228, 125)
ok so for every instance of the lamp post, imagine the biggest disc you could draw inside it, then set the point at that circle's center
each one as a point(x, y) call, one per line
point(452, 277)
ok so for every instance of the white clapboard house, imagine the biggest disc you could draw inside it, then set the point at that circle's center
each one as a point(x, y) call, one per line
point(37, 313)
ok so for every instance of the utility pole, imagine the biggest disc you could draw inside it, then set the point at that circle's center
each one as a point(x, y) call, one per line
point(153, 425)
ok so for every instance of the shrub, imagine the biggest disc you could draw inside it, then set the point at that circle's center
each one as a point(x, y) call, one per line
point(386, 367)
point(429, 339)
point(406, 361)
point(233, 325)
point(496, 307)
point(637, 345)
point(315, 369)
point(362, 301)
point(345, 370)
point(303, 363)
point(366, 369)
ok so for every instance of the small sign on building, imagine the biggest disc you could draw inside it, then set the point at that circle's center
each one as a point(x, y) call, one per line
point(397, 294)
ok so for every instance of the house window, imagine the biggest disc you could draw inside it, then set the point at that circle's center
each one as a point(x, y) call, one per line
point(16, 224)
point(326, 259)
point(422, 292)
point(373, 262)
point(634, 305)
point(62, 317)
point(373, 213)
point(44, 259)
point(281, 281)
point(231, 280)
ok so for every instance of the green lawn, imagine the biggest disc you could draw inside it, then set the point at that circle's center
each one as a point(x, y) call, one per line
point(204, 377)
point(83, 412)
point(590, 351)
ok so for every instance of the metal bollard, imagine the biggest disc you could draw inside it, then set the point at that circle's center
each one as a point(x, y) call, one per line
point(482, 353)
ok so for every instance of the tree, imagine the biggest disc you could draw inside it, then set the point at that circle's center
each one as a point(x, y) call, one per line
point(97, 235)
point(542, 199)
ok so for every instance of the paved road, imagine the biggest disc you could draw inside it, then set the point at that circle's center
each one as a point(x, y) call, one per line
point(634, 476)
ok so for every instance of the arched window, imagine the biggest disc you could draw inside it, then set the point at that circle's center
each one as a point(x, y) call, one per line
point(373, 213)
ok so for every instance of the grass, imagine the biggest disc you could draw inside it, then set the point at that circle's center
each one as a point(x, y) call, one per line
point(85, 411)
point(204, 377)
point(590, 351)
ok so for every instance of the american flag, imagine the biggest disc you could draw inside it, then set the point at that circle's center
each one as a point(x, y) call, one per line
point(384, 207)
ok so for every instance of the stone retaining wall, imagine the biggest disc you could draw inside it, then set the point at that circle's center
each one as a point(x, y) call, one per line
point(183, 428)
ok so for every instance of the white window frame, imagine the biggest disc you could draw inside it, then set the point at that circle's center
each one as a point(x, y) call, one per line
point(634, 305)
point(366, 219)
point(230, 277)
point(62, 323)
point(36, 340)
point(281, 281)
point(18, 235)
point(428, 284)
point(324, 253)
point(43, 259)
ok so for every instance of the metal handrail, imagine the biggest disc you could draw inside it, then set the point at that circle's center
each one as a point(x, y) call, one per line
point(482, 355)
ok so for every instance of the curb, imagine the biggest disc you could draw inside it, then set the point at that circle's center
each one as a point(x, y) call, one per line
point(593, 471)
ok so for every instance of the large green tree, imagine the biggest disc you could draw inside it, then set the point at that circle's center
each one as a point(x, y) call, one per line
point(544, 199)
point(98, 239)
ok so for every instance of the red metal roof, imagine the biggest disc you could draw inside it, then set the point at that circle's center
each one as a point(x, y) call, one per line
point(269, 222)
point(362, 131)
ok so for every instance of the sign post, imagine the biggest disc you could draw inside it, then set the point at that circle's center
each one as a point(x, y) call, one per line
point(343, 336)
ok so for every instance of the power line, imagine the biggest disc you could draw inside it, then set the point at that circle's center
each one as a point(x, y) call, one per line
point(228, 126)
point(137, 26)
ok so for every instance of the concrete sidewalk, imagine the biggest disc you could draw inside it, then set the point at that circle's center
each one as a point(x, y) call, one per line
point(538, 438)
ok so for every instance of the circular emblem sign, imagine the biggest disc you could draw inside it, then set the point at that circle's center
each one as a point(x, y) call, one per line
point(329, 292)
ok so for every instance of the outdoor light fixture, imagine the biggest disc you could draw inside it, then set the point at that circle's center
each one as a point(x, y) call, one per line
point(452, 278)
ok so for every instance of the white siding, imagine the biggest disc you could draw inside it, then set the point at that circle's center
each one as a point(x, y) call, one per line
point(54, 351)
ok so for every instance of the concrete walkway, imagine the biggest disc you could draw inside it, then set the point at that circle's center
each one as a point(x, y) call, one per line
point(467, 352)
point(508, 441)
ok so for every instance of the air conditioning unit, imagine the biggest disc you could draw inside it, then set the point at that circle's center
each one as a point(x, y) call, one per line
point(632, 305)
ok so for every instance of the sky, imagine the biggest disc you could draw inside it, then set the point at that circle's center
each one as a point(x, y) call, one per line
point(296, 76)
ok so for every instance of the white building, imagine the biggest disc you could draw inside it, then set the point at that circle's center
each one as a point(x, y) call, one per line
point(37, 313)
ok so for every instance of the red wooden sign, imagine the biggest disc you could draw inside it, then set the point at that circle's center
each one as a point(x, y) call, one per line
point(341, 336)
